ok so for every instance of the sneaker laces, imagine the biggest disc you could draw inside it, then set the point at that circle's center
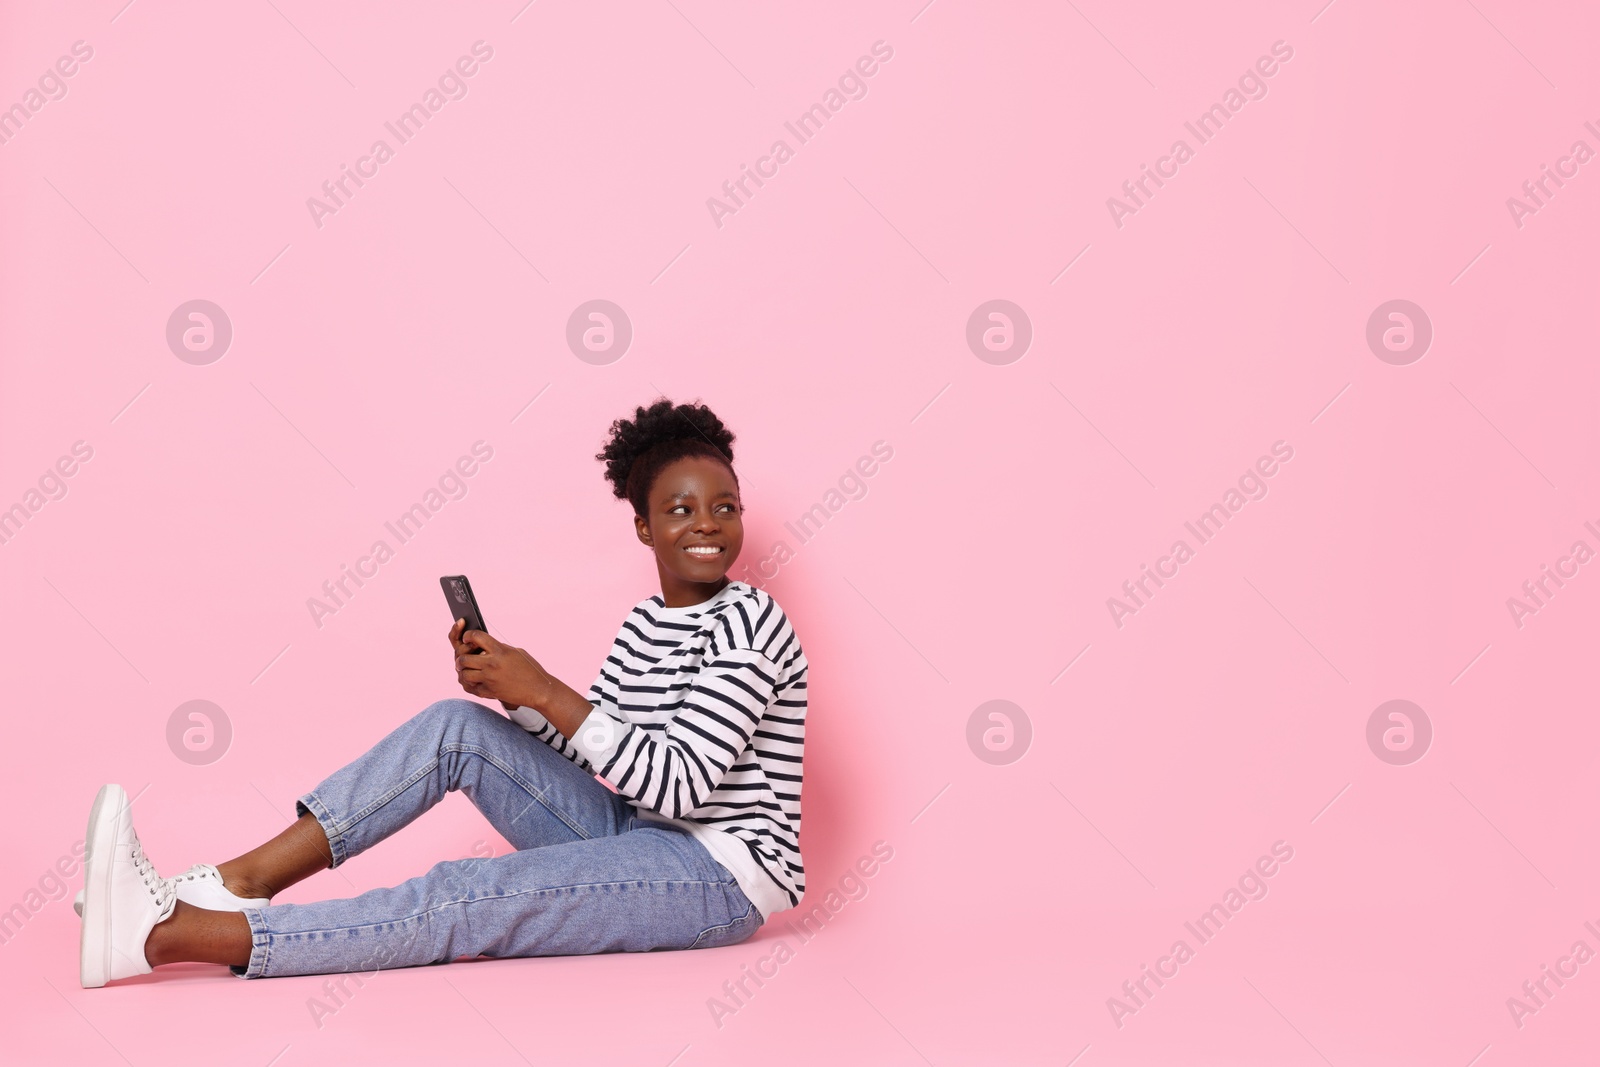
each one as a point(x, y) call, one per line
point(164, 892)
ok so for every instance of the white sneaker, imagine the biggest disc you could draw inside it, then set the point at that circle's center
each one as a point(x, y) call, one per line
point(201, 885)
point(123, 897)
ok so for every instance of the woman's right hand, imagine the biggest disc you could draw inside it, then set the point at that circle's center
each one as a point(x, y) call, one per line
point(461, 648)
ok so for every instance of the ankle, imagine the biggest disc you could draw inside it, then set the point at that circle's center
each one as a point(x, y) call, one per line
point(165, 943)
point(243, 883)
point(195, 935)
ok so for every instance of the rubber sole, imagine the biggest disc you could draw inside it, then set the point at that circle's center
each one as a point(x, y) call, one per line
point(100, 840)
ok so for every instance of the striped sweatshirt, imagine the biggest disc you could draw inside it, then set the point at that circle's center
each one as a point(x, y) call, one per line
point(699, 720)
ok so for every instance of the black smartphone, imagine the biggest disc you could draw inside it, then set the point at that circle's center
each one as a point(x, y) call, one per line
point(463, 605)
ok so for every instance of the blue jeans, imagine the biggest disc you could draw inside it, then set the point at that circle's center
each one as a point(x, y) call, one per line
point(589, 875)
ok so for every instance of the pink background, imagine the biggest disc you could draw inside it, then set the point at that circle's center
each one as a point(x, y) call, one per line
point(827, 314)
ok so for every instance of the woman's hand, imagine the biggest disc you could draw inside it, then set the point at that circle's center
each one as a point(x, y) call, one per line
point(486, 668)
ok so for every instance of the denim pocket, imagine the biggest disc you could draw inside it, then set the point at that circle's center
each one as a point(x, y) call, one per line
point(732, 933)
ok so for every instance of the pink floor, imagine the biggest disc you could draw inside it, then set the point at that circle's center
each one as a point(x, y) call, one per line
point(1355, 313)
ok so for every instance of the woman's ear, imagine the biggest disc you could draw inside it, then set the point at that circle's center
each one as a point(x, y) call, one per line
point(642, 528)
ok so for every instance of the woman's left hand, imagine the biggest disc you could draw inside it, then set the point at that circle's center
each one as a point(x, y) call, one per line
point(500, 672)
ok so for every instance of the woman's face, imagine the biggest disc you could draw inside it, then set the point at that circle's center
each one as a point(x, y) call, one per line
point(694, 527)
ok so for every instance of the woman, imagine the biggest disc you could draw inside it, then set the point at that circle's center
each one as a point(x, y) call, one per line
point(697, 719)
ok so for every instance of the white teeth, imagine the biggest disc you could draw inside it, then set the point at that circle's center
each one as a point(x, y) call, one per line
point(712, 551)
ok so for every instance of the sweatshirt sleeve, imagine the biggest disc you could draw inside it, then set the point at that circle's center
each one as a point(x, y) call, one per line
point(539, 726)
point(672, 770)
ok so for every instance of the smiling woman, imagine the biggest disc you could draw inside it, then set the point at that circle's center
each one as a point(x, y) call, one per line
point(697, 722)
point(671, 513)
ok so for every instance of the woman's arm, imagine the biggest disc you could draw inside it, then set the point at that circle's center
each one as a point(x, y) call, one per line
point(673, 770)
point(510, 675)
point(670, 772)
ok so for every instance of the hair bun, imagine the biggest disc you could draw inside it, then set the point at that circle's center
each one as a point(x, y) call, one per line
point(638, 448)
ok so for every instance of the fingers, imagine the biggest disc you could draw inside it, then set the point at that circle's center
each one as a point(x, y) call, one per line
point(456, 630)
point(478, 658)
point(479, 639)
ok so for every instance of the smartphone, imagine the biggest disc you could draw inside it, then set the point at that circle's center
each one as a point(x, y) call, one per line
point(463, 605)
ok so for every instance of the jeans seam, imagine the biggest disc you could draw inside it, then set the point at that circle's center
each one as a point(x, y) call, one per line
point(731, 925)
point(536, 794)
point(503, 896)
point(260, 944)
point(386, 799)
point(488, 757)
point(330, 827)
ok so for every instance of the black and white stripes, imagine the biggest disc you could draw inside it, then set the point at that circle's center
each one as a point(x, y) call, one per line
point(699, 717)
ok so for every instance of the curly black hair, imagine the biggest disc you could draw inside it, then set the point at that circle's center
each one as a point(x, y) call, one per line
point(638, 449)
